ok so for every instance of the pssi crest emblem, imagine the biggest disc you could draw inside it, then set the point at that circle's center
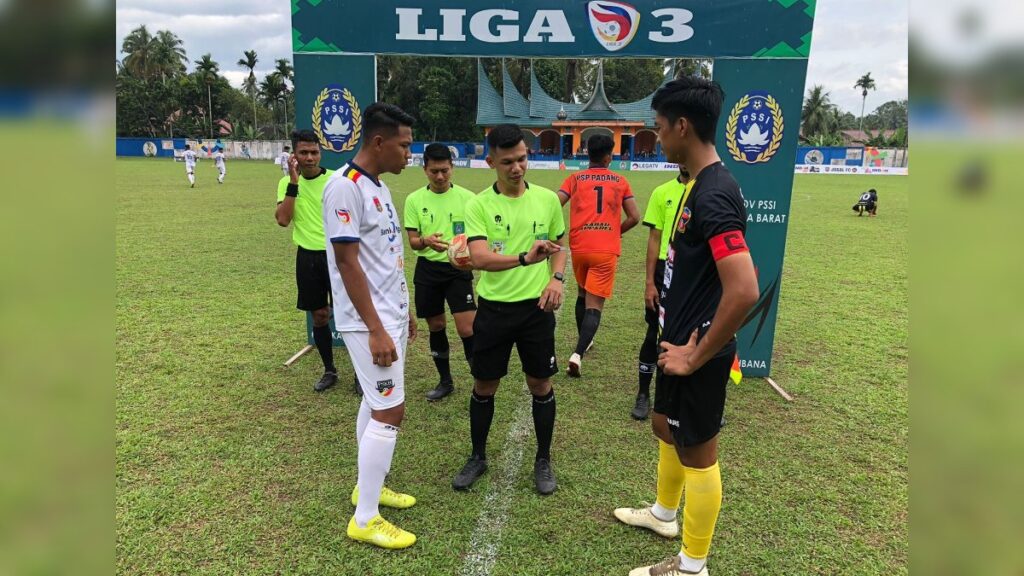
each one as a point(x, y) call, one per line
point(614, 23)
point(753, 132)
point(337, 120)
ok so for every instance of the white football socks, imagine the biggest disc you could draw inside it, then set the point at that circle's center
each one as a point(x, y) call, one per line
point(376, 448)
point(693, 565)
point(362, 419)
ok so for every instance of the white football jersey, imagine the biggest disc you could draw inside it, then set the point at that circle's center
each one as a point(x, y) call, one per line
point(218, 159)
point(190, 158)
point(283, 161)
point(358, 208)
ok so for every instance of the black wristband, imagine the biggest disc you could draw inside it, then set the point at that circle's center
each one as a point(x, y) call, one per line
point(293, 190)
point(522, 259)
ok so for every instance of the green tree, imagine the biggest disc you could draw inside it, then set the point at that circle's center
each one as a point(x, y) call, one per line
point(249, 61)
point(630, 79)
point(892, 115)
point(206, 70)
point(865, 83)
point(435, 110)
point(138, 47)
point(284, 69)
point(690, 67)
point(272, 88)
point(169, 55)
point(817, 116)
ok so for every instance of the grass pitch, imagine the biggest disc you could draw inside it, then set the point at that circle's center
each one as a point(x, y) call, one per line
point(228, 463)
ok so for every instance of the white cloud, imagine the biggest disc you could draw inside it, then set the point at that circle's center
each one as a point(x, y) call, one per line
point(853, 38)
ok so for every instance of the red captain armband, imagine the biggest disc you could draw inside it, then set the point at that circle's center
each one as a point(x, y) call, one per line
point(727, 244)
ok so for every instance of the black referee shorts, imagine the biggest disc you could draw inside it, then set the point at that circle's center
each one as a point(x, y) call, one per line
point(694, 404)
point(500, 325)
point(312, 279)
point(437, 282)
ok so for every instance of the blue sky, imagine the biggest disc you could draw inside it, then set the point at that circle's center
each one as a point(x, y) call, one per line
point(850, 38)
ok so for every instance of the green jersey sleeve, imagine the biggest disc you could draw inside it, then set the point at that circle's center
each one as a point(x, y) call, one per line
point(282, 187)
point(654, 216)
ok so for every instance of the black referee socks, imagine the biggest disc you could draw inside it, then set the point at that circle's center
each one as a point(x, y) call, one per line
point(544, 422)
point(439, 350)
point(325, 346)
point(481, 412)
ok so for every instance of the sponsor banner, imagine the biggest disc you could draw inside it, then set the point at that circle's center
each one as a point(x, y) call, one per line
point(864, 170)
point(543, 165)
point(651, 166)
point(462, 163)
point(555, 28)
point(474, 163)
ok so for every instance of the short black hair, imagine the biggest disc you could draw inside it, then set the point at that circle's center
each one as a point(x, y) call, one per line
point(437, 152)
point(696, 99)
point(599, 146)
point(187, 147)
point(304, 136)
point(384, 119)
point(873, 191)
point(504, 136)
point(287, 148)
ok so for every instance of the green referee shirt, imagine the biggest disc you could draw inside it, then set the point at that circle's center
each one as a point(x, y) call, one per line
point(308, 218)
point(429, 213)
point(661, 210)
point(510, 226)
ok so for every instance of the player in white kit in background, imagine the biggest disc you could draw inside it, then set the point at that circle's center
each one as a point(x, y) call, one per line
point(365, 255)
point(218, 161)
point(190, 165)
point(282, 159)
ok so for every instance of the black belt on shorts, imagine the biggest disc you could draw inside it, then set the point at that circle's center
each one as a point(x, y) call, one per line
point(301, 249)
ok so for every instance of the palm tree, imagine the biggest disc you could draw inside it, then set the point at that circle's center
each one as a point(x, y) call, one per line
point(817, 115)
point(284, 69)
point(169, 54)
point(249, 62)
point(207, 69)
point(271, 89)
point(138, 47)
point(865, 83)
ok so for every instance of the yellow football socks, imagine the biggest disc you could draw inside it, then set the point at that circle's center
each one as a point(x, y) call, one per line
point(670, 481)
point(700, 511)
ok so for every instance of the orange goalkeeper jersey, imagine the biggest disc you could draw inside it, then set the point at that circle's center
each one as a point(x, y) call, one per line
point(595, 209)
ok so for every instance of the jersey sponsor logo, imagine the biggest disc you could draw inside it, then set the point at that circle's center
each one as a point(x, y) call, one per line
point(458, 227)
point(337, 120)
point(613, 23)
point(343, 216)
point(385, 387)
point(753, 132)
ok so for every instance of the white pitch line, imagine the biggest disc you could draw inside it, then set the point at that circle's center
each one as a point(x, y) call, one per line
point(486, 541)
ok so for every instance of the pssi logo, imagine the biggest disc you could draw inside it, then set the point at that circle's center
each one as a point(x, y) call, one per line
point(613, 23)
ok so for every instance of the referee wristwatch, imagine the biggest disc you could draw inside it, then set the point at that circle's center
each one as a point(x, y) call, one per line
point(560, 277)
point(522, 259)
